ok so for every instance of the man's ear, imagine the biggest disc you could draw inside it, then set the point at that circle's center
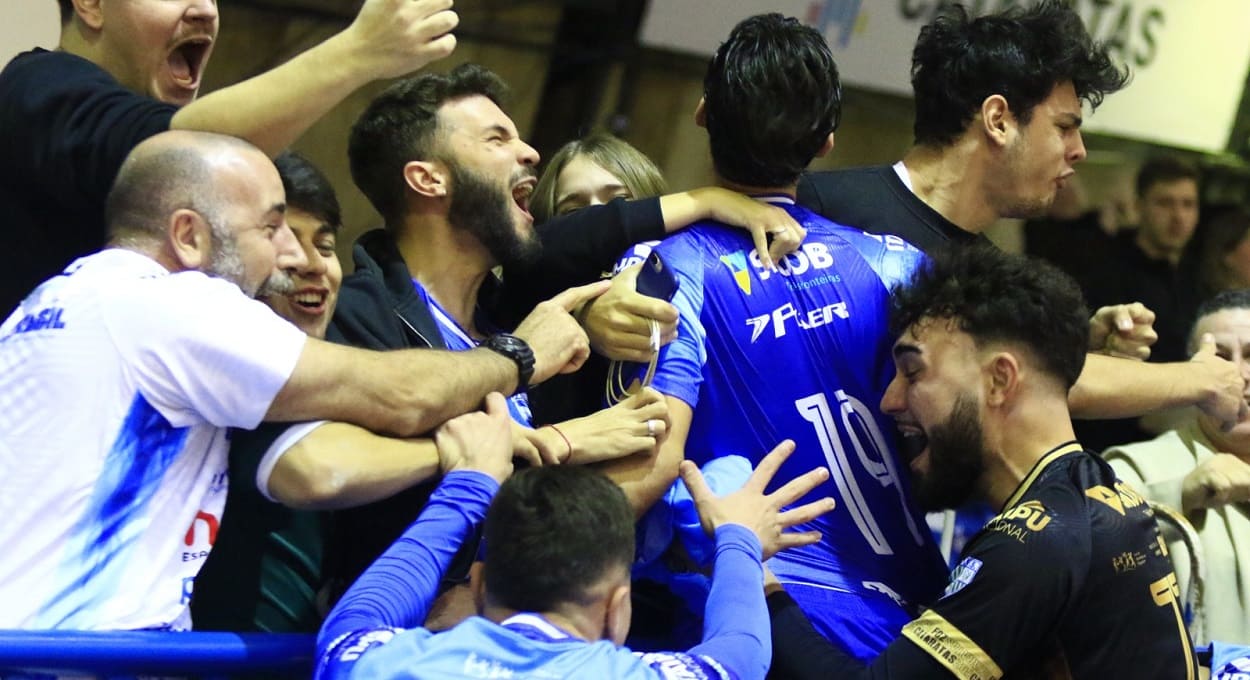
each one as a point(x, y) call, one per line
point(618, 615)
point(190, 239)
point(1002, 373)
point(477, 585)
point(997, 119)
point(427, 178)
point(826, 147)
point(700, 113)
point(90, 13)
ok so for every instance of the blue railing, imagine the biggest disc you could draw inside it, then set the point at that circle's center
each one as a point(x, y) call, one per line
point(122, 654)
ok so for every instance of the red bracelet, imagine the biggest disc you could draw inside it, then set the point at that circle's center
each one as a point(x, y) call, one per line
point(566, 441)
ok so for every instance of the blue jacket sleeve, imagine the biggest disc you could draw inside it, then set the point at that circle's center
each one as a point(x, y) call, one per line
point(735, 628)
point(398, 589)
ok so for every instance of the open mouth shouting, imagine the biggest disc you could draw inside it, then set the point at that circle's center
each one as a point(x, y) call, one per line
point(914, 445)
point(186, 62)
point(521, 192)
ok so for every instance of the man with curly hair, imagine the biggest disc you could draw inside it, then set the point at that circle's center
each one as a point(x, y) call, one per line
point(1071, 578)
point(997, 132)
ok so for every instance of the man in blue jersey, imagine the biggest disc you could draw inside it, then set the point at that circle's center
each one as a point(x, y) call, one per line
point(799, 351)
point(448, 170)
point(553, 593)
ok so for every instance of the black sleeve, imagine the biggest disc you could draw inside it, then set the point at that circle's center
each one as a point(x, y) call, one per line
point(248, 448)
point(577, 249)
point(72, 124)
point(1016, 581)
point(801, 653)
point(363, 316)
point(809, 194)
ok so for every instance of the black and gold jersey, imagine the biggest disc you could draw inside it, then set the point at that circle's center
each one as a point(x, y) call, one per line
point(1071, 579)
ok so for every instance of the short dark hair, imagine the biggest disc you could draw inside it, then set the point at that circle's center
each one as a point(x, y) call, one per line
point(156, 180)
point(1021, 54)
point(1001, 297)
point(1225, 300)
point(67, 10)
point(1225, 229)
point(150, 187)
point(308, 189)
point(1164, 169)
point(399, 125)
point(771, 98)
point(552, 533)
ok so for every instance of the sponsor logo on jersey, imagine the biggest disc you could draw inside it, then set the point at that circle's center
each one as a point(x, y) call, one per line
point(1032, 513)
point(809, 257)
point(219, 482)
point(481, 667)
point(1234, 669)
point(1020, 521)
point(892, 242)
point(779, 318)
point(879, 587)
point(962, 575)
point(737, 263)
point(678, 666)
point(1127, 561)
point(46, 319)
point(1122, 497)
point(353, 645)
point(634, 256)
point(194, 536)
point(1165, 591)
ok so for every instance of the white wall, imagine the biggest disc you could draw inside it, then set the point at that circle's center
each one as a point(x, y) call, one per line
point(27, 23)
point(1189, 59)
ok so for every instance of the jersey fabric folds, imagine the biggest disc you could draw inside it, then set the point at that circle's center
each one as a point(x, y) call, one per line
point(118, 380)
point(803, 353)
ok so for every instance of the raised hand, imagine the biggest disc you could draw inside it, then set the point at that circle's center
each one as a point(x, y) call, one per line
point(1217, 481)
point(1220, 381)
point(1123, 331)
point(392, 38)
point(558, 342)
point(761, 513)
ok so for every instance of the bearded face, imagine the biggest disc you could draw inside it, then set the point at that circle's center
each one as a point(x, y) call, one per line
point(486, 210)
point(956, 459)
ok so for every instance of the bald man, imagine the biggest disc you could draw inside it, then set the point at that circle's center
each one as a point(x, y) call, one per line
point(120, 377)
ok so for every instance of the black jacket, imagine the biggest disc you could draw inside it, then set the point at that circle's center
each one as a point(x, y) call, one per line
point(379, 309)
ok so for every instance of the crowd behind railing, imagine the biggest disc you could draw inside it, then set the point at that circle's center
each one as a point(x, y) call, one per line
point(794, 425)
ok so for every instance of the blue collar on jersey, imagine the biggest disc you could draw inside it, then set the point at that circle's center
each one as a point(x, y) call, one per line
point(458, 339)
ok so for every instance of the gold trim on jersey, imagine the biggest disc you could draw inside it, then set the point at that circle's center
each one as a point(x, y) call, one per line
point(1055, 453)
point(951, 647)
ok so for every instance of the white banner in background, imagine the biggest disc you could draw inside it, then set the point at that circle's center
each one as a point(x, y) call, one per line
point(1189, 58)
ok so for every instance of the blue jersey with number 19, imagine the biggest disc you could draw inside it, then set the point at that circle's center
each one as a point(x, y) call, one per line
point(803, 353)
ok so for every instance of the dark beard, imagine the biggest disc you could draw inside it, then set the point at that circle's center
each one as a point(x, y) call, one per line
point(956, 459)
point(484, 210)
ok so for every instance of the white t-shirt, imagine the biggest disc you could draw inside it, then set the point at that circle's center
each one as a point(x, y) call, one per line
point(118, 381)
